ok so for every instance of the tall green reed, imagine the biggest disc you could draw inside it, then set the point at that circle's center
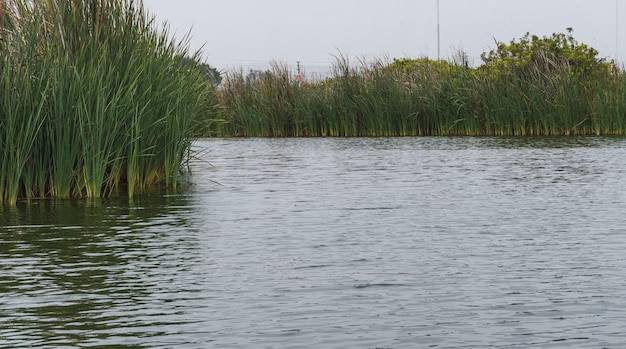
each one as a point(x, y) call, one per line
point(424, 97)
point(96, 97)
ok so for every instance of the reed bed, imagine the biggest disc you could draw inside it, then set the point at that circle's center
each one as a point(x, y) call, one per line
point(95, 97)
point(425, 98)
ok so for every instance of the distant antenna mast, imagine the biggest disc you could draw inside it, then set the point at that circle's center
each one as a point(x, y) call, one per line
point(439, 34)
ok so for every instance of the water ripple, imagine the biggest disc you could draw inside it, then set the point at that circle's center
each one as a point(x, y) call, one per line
point(333, 243)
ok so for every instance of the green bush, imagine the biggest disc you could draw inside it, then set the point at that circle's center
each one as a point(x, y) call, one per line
point(545, 56)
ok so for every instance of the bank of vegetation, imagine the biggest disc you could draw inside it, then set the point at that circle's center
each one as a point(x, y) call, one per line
point(96, 98)
point(531, 86)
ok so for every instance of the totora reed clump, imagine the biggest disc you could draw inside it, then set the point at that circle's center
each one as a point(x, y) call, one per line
point(533, 86)
point(94, 96)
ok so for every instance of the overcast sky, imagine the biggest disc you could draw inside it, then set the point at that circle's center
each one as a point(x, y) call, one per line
point(250, 33)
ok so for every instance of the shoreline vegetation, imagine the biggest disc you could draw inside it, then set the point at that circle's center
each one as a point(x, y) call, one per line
point(96, 99)
point(531, 86)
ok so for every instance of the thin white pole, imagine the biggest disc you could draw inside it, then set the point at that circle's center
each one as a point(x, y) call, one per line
point(616, 33)
point(439, 34)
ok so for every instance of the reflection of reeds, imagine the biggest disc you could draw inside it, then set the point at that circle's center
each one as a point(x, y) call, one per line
point(426, 98)
point(93, 96)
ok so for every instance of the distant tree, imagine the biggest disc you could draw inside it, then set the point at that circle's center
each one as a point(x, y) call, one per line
point(432, 68)
point(210, 74)
point(255, 75)
point(532, 55)
point(408, 65)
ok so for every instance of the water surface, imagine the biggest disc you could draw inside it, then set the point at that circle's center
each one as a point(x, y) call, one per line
point(334, 243)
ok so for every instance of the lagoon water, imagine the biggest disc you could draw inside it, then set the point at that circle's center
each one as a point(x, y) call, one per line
point(334, 243)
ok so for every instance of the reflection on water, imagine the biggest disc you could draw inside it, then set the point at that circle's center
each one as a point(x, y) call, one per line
point(78, 272)
point(333, 243)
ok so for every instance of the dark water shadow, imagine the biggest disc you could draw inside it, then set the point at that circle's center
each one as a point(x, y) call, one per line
point(79, 272)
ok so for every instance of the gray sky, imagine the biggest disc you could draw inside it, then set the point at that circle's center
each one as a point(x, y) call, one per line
point(250, 33)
